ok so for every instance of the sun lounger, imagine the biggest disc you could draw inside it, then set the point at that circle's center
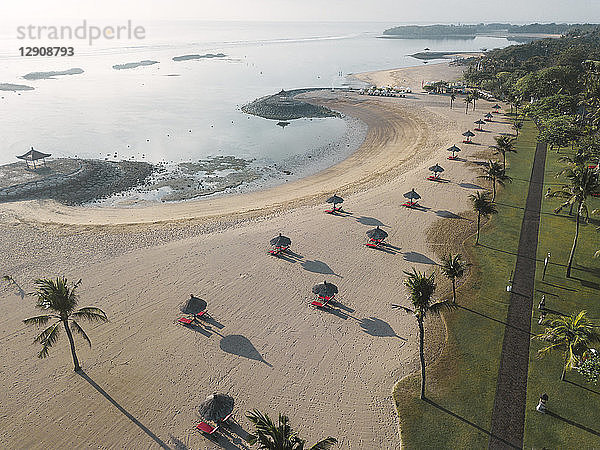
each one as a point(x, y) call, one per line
point(410, 204)
point(206, 428)
point(191, 320)
point(452, 158)
point(322, 302)
point(225, 419)
point(277, 250)
point(333, 210)
point(433, 178)
point(374, 243)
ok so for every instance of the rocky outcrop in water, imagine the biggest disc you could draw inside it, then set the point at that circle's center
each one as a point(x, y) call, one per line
point(283, 106)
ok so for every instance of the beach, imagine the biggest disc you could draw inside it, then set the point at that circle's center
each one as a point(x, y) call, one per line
point(332, 372)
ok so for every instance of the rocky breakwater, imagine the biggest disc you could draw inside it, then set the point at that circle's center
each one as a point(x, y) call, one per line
point(71, 181)
point(284, 106)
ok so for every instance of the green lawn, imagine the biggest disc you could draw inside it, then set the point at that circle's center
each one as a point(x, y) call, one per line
point(462, 382)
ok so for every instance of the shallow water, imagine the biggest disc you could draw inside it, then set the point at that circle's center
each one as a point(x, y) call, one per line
point(177, 111)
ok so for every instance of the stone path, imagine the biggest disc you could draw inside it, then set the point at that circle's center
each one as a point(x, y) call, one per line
point(508, 415)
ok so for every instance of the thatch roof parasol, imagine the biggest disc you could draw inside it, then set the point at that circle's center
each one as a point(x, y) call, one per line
point(412, 195)
point(194, 305)
point(468, 133)
point(281, 241)
point(325, 289)
point(335, 199)
point(377, 233)
point(216, 407)
point(436, 169)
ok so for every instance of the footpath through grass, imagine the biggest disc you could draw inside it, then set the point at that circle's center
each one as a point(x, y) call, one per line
point(462, 382)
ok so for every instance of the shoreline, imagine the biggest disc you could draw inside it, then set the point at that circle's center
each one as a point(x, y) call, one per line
point(345, 177)
point(319, 364)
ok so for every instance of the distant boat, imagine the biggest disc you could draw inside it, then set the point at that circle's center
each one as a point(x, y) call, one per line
point(426, 49)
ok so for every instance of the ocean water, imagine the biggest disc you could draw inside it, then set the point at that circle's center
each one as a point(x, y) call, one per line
point(179, 111)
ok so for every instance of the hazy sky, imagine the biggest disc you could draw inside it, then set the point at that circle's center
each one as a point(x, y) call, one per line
point(389, 11)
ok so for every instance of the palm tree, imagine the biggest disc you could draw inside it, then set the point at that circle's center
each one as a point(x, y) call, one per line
point(483, 207)
point(475, 96)
point(453, 267)
point(504, 145)
point(583, 183)
point(281, 436)
point(452, 98)
point(494, 173)
point(571, 334)
point(467, 101)
point(421, 288)
point(517, 125)
point(60, 298)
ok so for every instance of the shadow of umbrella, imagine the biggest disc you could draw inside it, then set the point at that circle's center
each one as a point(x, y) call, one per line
point(239, 345)
point(377, 327)
point(317, 266)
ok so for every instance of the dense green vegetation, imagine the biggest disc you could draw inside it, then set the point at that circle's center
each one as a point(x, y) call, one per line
point(420, 31)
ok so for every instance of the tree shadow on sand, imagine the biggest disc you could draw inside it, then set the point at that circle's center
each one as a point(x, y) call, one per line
point(470, 186)
point(419, 258)
point(370, 221)
point(126, 413)
point(239, 345)
point(448, 215)
point(378, 328)
point(317, 266)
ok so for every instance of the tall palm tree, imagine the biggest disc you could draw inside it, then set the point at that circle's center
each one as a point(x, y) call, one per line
point(453, 267)
point(452, 98)
point(59, 298)
point(467, 101)
point(495, 174)
point(517, 125)
point(421, 288)
point(504, 145)
point(583, 183)
point(483, 207)
point(281, 436)
point(475, 96)
point(572, 334)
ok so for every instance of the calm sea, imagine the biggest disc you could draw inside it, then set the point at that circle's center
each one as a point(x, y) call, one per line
point(177, 111)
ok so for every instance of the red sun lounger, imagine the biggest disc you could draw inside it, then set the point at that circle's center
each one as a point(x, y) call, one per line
point(190, 320)
point(206, 428)
point(225, 419)
point(277, 250)
point(433, 178)
point(374, 243)
point(333, 210)
point(322, 302)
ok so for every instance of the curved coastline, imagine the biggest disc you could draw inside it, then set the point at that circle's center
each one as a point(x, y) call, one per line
point(311, 354)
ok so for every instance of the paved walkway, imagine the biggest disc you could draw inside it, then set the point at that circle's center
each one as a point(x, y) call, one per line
point(508, 415)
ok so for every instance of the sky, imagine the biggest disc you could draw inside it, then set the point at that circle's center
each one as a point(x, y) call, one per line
point(388, 11)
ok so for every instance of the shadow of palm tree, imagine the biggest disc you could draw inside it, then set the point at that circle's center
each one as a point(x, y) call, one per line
point(417, 257)
point(126, 413)
point(573, 423)
point(371, 221)
point(474, 425)
point(239, 345)
point(378, 328)
point(317, 266)
point(582, 387)
point(448, 215)
point(469, 186)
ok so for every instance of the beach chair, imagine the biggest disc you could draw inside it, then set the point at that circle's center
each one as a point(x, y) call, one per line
point(452, 158)
point(374, 243)
point(410, 204)
point(206, 428)
point(225, 420)
point(333, 210)
point(322, 302)
point(191, 320)
point(433, 178)
point(277, 250)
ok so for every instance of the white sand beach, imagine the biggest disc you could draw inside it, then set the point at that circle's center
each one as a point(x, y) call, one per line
point(332, 372)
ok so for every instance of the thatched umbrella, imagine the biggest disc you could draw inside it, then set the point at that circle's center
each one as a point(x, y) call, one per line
point(193, 305)
point(437, 169)
point(216, 407)
point(480, 123)
point(468, 134)
point(33, 155)
point(377, 234)
point(489, 117)
point(281, 241)
point(412, 196)
point(496, 107)
point(335, 199)
point(454, 149)
point(325, 289)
